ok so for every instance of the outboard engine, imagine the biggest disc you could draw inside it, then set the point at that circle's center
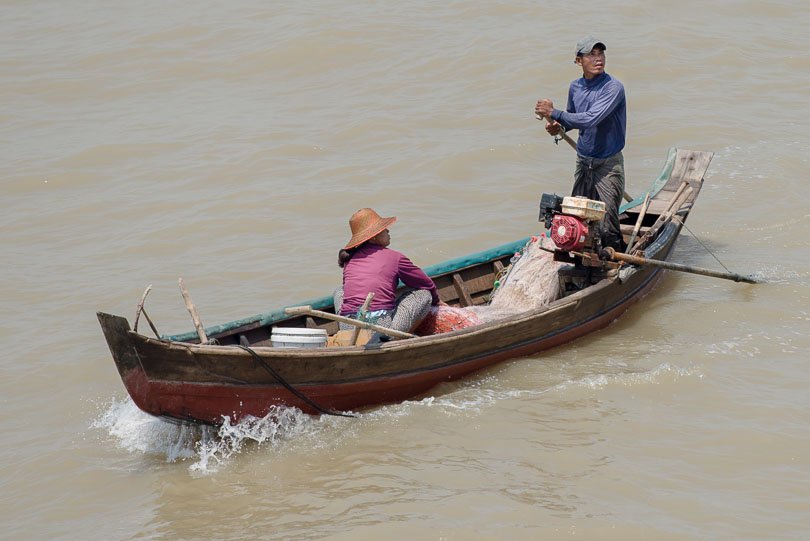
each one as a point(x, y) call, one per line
point(574, 223)
point(570, 233)
point(575, 226)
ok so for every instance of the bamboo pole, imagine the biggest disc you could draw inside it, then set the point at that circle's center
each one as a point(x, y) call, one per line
point(307, 310)
point(193, 311)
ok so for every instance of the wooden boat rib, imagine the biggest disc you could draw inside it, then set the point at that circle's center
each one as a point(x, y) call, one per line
point(177, 378)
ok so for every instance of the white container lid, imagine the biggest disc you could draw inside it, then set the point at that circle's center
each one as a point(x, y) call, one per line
point(298, 331)
point(297, 342)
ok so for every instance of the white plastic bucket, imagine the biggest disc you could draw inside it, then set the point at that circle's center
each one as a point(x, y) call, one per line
point(297, 337)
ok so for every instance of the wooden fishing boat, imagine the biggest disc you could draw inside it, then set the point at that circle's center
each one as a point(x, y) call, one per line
point(178, 378)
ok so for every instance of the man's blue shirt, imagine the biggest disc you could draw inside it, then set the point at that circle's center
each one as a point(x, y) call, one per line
point(598, 109)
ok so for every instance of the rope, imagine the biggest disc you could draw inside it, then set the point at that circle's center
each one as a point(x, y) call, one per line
point(560, 136)
point(290, 388)
point(705, 247)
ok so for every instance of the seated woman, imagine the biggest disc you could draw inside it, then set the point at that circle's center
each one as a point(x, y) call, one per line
point(370, 266)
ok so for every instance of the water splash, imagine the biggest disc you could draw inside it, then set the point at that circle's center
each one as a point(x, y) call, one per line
point(209, 447)
point(779, 274)
point(279, 424)
point(138, 432)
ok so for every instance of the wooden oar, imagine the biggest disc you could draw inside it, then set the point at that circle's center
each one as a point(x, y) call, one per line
point(636, 260)
point(307, 310)
point(567, 138)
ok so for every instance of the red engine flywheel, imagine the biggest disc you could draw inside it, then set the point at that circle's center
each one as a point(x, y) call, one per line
point(568, 233)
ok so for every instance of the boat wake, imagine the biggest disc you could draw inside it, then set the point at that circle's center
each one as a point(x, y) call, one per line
point(210, 448)
point(655, 376)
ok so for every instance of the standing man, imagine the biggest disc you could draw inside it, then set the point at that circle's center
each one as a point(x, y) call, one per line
point(598, 109)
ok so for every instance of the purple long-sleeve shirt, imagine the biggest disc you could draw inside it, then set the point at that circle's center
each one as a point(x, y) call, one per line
point(598, 109)
point(378, 269)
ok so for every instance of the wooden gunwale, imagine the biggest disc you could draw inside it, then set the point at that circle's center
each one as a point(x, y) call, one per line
point(484, 334)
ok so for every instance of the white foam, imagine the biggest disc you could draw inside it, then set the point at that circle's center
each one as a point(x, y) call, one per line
point(777, 274)
point(280, 423)
point(138, 432)
point(628, 379)
point(743, 345)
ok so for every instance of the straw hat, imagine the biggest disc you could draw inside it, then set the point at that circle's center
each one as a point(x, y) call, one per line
point(366, 224)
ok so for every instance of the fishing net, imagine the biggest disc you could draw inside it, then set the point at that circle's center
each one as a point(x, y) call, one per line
point(528, 283)
point(532, 281)
point(445, 319)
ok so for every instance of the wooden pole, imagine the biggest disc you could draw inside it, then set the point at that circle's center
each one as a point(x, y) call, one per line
point(677, 200)
point(366, 304)
point(152, 325)
point(640, 219)
point(139, 308)
point(636, 260)
point(307, 310)
point(681, 195)
point(193, 311)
